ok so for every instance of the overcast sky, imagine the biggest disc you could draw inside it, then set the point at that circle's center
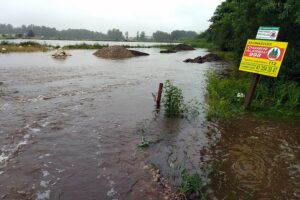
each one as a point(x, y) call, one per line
point(101, 15)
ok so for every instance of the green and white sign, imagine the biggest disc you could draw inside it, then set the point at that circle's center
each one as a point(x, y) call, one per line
point(267, 33)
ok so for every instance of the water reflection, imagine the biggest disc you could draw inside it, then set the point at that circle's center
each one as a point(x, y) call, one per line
point(257, 160)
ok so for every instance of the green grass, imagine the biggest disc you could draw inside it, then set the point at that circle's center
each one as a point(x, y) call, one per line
point(279, 100)
point(144, 143)
point(7, 47)
point(85, 46)
point(222, 97)
point(192, 184)
point(173, 100)
point(100, 46)
point(175, 105)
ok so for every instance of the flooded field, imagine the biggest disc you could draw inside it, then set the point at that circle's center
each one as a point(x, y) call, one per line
point(70, 129)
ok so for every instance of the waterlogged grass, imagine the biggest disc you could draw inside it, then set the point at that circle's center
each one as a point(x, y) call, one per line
point(193, 185)
point(144, 143)
point(174, 104)
point(173, 100)
point(100, 46)
point(279, 100)
point(226, 98)
point(6, 47)
point(222, 97)
point(165, 46)
point(85, 46)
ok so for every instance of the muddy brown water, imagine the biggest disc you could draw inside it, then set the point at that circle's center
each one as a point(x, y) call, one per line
point(69, 129)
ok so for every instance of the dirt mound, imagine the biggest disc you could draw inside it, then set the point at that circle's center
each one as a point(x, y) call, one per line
point(117, 52)
point(211, 57)
point(168, 51)
point(179, 47)
point(138, 53)
point(183, 47)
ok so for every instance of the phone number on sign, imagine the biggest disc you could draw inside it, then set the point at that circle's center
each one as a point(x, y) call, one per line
point(263, 68)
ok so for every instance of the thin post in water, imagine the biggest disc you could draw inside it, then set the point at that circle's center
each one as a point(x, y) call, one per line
point(158, 99)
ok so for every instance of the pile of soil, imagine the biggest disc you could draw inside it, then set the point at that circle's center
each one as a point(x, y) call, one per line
point(168, 51)
point(179, 47)
point(211, 57)
point(138, 53)
point(118, 52)
point(183, 47)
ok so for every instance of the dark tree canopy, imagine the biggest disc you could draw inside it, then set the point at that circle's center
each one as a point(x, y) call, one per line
point(235, 21)
point(30, 34)
point(83, 34)
point(115, 35)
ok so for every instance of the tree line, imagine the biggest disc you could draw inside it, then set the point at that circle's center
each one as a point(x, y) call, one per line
point(235, 21)
point(44, 32)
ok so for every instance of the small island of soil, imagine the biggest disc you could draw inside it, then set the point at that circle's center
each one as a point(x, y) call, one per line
point(117, 52)
point(211, 57)
point(179, 47)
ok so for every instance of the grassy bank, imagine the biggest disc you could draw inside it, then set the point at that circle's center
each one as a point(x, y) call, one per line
point(6, 47)
point(279, 100)
point(85, 46)
point(100, 46)
point(275, 98)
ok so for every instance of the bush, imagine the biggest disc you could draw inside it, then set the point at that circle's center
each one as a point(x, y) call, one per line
point(173, 100)
point(192, 184)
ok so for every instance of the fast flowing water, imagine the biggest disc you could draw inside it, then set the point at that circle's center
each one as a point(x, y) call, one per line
point(69, 129)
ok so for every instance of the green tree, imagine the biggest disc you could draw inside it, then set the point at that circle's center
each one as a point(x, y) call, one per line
point(143, 36)
point(160, 36)
point(30, 34)
point(115, 35)
point(235, 21)
point(181, 34)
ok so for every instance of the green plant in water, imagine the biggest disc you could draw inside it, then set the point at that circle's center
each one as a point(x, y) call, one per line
point(192, 184)
point(173, 100)
point(144, 143)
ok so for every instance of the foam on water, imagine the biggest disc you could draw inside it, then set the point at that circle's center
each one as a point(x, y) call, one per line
point(45, 173)
point(43, 195)
point(3, 158)
point(44, 184)
point(9, 151)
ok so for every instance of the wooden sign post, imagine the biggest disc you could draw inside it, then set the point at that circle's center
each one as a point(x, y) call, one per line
point(262, 57)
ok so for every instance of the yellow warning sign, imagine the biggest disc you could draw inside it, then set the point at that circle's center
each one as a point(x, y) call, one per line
point(263, 57)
